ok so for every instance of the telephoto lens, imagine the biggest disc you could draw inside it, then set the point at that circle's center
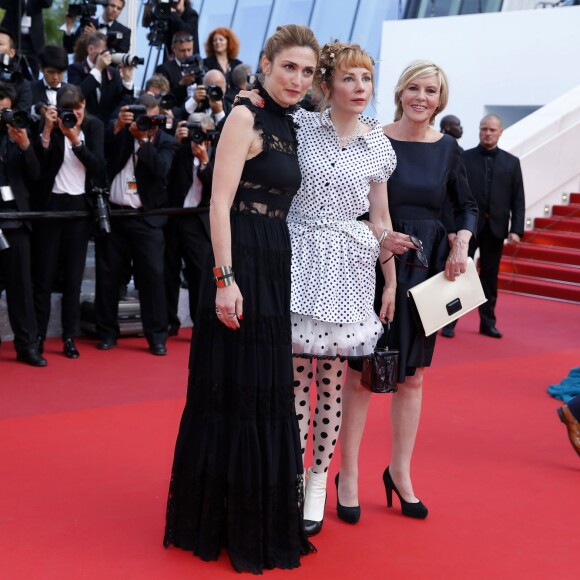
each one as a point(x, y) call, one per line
point(16, 119)
point(68, 117)
point(126, 59)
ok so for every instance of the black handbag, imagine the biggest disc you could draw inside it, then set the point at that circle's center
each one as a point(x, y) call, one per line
point(379, 371)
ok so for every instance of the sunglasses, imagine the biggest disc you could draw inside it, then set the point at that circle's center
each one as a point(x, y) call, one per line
point(420, 253)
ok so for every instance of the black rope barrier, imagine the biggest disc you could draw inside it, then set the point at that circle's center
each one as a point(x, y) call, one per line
point(40, 215)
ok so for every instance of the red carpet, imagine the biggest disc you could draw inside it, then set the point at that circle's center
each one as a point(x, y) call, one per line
point(86, 448)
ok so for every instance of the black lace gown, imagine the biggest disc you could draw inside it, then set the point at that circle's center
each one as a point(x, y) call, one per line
point(237, 473)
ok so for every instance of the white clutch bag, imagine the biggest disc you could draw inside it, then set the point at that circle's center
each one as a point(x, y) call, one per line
point(439, 301)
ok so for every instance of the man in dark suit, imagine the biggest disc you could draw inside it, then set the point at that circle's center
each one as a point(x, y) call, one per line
point(106, 23)
point(53, 64)
point(187, 236)
point(13, 74)
point(495, 178)
point(18, 167)
point(23, 18)
point(180, 76)
point(138, 166)
point(105, 88)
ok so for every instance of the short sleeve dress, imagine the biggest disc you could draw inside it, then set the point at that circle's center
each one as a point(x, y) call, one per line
point(333, 254)
point(237, 472)
point(426, 174)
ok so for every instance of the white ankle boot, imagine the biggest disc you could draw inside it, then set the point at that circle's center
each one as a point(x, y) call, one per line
point(314, 500)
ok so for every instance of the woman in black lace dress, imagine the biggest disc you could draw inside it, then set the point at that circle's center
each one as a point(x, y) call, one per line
point(237, 472)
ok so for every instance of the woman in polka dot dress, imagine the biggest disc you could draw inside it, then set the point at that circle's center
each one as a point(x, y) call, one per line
point(345, 161)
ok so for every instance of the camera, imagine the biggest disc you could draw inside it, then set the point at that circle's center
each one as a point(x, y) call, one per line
point(102, 211)
point(16, 119)
point(85, 9)
point(163, 8)
point(167, 101)
point(197, 135)
point(145, 123)
point(159, 21)
point(114, 39)
point(119, 58)
point(214, 92)
point(193, 65)
point(137, 110)
point(68, 117)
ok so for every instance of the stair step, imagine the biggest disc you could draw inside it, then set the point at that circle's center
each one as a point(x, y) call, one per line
point(575, 198)
point(570, 210)
point(556, 255)
point(549, 238)
point(536, 287)
point(544, 270)
point(558, 224)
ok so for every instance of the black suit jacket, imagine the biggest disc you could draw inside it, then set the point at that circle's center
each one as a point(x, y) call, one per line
point(181, 177)
point(113, 93)
point(91, 155)
point(38, 91)
point(23, 93)
point(69, 40)
point(187, 21)
point(34, 10)
point(22, 168)
point(172, 72)
point(507, 202)
point(152, 168)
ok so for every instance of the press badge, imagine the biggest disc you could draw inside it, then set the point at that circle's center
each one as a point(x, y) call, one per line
point(131, 185)
point(6, 192)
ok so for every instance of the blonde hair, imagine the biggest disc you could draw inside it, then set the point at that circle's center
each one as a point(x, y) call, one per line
point(420, 69)
point(339, 55)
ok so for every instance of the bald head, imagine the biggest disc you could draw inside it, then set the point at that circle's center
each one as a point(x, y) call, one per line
point(490, 130)
point(215, 77)
point(451, 125)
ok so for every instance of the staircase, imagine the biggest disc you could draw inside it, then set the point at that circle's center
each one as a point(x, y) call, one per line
point(547, 262)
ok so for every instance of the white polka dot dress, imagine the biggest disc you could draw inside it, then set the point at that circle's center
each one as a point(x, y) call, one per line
point(334, 254)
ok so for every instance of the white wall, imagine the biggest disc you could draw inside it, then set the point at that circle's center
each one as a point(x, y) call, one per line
point(520, 59)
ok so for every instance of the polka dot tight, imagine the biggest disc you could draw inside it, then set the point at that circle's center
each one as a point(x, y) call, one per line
point(328, 414)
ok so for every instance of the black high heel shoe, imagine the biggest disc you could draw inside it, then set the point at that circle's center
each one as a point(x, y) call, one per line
point(412, 510)
point(350, 515)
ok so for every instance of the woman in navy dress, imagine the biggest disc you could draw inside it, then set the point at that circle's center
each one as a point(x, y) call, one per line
point(429, 169)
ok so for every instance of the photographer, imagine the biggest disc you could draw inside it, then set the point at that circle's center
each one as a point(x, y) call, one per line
point(209, 97)
point(10, 71)
point(139, 161)
point(184, 70)
point(176, 15)
point(104, 87)
point(106, 23)
point(18, 167)
point(24, 21)
point(187, 236)
point(72, 157)
point(53, 65)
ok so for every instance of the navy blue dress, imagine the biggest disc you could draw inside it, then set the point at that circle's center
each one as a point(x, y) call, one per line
point(426, 175)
